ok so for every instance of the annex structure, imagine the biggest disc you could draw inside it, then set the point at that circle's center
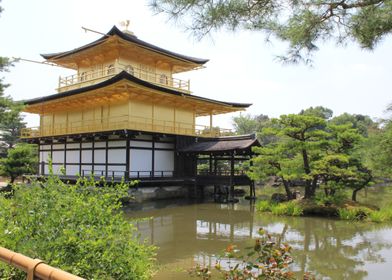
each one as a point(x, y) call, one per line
point(123, 114)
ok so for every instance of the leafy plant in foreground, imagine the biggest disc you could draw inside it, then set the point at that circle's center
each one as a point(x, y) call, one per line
point(267, 259)
point(79, 228)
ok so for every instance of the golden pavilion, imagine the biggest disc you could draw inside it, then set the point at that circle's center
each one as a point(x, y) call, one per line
point(123, 113)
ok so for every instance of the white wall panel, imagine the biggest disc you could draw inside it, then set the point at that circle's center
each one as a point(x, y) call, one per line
point(45, 156)
point(56, 168)
point(73, 145)
point(72, 170)
point(100, 144)
point(164, 161)
point(86, 169)
point(87, 156)
point(117, 156)
point(58, 156)
point(87, 145)
point(45, 147)
point(58, 147)
point(116, 168)
point(99, 167)
point(73, 157)
point(116, 143)
point(141, 160)
point(99, 156)
point(143, 144)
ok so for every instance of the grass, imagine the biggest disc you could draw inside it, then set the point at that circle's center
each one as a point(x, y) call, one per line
point(290, 208)
point(341, 206)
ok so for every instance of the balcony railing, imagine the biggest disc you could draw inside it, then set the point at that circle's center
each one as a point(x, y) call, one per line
point(92, 77)
point(125, 122)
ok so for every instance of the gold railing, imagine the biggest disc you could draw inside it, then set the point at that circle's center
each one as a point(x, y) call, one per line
point(35, 268)
point(92, 77)
point(125, 122)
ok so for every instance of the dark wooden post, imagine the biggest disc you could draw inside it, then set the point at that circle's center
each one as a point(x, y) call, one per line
point(231, 187)
point(210, 164)
point(127, 156)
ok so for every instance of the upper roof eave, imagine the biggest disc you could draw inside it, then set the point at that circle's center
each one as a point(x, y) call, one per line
point(126, 76)
point(129, 38)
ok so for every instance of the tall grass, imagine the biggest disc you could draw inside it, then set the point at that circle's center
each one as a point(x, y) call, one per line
point(290, 208)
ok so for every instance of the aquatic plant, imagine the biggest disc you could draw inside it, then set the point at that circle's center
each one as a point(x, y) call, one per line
point(266, 259)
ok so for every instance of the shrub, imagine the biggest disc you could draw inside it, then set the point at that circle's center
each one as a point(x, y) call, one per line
point(354, 213)
point(264, 206)
point(290, 208)
point(377, 217)
point(79, 228)
point(337, 199)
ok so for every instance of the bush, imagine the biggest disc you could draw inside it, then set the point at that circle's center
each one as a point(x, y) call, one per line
point(290, 208)
point(354, 213)
point(337, 199)
point(264, 206)
point(79, 228)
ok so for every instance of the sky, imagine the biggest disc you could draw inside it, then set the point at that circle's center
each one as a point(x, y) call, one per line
point(242, 66)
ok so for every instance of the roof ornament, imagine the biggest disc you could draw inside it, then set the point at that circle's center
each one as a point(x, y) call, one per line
point(125, 23)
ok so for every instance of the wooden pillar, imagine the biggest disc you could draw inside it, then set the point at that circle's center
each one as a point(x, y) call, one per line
point(65, 156)
point(153, 157)
point(231, 187)
point(252, 185)
point(80, 156)
point(210, 165)
point(106, 156)
point(127, 156)
point(93, 155)
point(215, 166)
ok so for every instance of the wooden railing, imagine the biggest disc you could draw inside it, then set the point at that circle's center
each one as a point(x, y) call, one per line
point(131, 174)
point(35, 268)
point(91, 77)
point(239, 172)
point(125, 122)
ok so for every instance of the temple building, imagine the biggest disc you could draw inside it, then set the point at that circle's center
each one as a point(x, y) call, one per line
point(124, 114)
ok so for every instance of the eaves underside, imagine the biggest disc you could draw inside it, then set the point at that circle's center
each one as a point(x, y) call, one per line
point(124, 86)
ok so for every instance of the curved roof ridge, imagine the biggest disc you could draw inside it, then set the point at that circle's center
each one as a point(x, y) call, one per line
point(130, 38)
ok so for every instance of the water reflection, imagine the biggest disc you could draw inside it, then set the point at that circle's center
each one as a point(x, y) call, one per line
point(187, 234)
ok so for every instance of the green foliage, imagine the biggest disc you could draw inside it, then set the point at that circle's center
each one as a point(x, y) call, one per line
point(266, 259)
point(318, 111)
point(22, 159)
point(79, 228)
point(302, 24)
point(336, 199)
point(11, 122)
point(310, 151)
point(264, 206)
point(247, 124)
point(377, 151)
point(360, 122)
point(354, 213)
point(290, 208)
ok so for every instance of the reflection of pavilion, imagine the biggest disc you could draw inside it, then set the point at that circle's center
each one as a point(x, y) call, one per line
point(332, 249)
point(210, 231)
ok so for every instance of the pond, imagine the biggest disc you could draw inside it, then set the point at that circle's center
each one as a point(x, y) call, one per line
point(188, 233)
